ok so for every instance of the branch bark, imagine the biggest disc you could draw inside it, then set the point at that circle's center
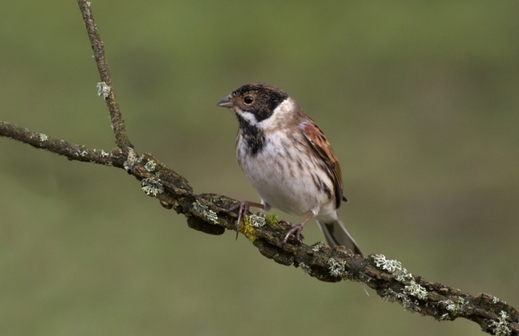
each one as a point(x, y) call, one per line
point(105, 87)
point(209, 213)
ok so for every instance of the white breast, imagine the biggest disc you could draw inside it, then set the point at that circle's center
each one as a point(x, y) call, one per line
point(285, 176)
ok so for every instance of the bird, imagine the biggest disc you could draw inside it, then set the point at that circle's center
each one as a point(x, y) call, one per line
point(288, 160)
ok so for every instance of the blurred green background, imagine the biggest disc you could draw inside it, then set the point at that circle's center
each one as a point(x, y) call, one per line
point(420, 100)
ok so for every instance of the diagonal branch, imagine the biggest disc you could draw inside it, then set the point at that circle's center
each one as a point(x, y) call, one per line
point(209, 213)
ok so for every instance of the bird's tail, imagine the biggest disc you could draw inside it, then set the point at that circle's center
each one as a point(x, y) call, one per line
point(336, 234)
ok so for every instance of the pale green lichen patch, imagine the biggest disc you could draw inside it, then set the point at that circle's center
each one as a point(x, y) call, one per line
point(455, 308)
point(416, 290)
point(410, 305)
point(152, 187)
point(500, 327)
point(317, 246)
point(387, 265)
point(103, 90)
point(305, 268)
point(449, 305)
point(336, 268)
point(43, 137)
point(392, 266)
point(445, 317)
point(256, 221)
point(407, 303)
point(150, 166)
point(131, 160)
point(411, 288)
point(390, 295)
point(209, 214)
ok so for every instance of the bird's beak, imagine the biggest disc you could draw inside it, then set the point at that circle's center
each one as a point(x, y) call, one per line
point(226, 102)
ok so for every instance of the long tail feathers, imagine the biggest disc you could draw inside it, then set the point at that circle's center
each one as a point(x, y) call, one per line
point(336, 233)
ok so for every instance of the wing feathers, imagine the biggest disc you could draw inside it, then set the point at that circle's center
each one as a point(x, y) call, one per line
point(320, 144)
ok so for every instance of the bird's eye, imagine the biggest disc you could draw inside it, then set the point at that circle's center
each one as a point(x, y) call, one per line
point(248, 100)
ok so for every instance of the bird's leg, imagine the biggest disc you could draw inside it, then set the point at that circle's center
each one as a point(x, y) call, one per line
point(243, 209)
point(296, 229)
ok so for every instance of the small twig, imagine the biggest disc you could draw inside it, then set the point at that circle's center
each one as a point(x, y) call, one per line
point(105, 87)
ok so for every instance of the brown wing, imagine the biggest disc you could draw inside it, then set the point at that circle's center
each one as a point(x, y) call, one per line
point(316, 138)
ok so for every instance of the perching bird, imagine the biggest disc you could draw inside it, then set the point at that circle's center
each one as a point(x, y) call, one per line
point(288, 160)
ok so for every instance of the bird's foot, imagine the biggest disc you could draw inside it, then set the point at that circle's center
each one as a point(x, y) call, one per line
point(243, 210)
point(294, 231)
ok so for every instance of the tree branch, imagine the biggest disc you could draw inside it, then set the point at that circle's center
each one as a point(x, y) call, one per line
point(71, 151)
point(105, 87)
point(209, 213)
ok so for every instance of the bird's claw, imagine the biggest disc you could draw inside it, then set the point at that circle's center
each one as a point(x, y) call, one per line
point(243, 209)
point(294, 231)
